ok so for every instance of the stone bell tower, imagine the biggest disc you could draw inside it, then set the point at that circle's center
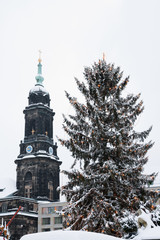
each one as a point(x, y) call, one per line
point(38, 163)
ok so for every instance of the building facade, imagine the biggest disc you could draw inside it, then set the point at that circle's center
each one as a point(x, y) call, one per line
point(26, 220)
point(48, 217)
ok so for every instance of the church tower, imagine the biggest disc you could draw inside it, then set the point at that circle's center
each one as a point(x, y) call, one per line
point(38, 163)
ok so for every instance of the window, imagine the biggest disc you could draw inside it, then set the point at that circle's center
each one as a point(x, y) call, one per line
point(59, 208)
point(51, 210)
point(28, 185)
point(32, 127)
point(45, 221)
point(44, 210)
point(50, 187)
point(4, 207)
point(26, 207)
point(28, 191)
point(58, 220)
point(46, 229)
point(47, 130)
point(28, 176)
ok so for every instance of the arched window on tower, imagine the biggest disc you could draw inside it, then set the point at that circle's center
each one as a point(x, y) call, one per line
point(32, 127)
point(32, 99)
point(46, 99)
point(28, 185)
point(47, 128)
point(50, 187)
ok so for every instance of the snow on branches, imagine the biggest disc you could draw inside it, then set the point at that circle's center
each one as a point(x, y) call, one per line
point(101, 136)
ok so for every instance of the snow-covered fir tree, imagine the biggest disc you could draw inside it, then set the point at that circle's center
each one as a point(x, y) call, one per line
point(101, 137)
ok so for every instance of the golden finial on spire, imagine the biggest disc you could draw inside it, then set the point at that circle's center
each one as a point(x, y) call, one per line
point(104, 57)
point(40, 60)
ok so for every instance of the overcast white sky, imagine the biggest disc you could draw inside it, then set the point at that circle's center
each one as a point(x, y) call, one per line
point(73, 34)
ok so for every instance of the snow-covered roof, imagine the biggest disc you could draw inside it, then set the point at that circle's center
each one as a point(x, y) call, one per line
point(48, 204)
point(68, 235)
point(39, 154)
point(7, 187)
point(19, 213)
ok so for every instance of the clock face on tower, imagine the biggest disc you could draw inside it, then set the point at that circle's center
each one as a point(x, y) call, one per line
point(29, 149)
point(50, 150)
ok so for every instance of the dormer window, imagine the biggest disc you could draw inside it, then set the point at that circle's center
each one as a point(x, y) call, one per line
point(4, 207)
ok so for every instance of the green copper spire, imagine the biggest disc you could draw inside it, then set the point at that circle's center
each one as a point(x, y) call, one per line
point(39, 77)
